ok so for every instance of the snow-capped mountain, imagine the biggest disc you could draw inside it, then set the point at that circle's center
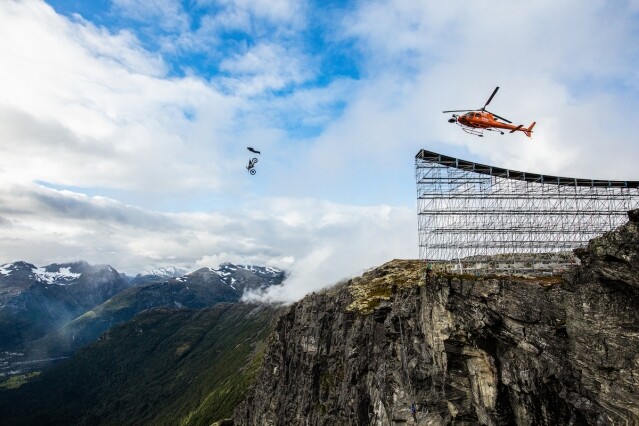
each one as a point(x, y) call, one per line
point(36, 300)
point(232, 274)
point(235, 276)
point(168, 272)
point(23, 273)
point(18, 272)
point(55, 309)
point(199, 289)
point(63, 276)
point(158, 275)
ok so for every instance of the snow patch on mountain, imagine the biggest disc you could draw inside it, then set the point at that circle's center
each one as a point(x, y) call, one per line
point(261, 270)
point(228, 273)
point(167, 272)
point(220, 272)
point(63, 276)
point(51, 274)
point(6, 269)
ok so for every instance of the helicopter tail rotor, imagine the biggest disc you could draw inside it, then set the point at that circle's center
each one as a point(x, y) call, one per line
point(528, 131)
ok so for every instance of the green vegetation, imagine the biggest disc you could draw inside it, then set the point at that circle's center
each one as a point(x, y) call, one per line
point(377, 285)
point(173, 367)
point(15, 382)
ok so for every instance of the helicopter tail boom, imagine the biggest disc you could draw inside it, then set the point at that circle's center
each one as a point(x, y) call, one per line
point(528, 131)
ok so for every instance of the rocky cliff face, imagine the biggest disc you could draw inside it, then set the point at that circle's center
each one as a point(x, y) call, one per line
point(560, 350)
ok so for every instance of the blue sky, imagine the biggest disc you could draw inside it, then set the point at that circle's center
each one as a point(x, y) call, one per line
point(124, 123)
point(156, 23)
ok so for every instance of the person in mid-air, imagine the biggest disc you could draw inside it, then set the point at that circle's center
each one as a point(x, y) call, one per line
point(253, 150)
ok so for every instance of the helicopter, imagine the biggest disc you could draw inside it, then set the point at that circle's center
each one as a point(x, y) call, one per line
point(475, 121)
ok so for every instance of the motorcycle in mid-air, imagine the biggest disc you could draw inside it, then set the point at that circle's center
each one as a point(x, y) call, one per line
point(251, 166)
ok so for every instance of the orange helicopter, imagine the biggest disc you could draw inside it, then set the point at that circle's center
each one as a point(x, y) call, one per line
point(475, 121)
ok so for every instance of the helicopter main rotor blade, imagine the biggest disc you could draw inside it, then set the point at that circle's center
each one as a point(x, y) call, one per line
point(501, 118)
point(459, 110)
point(490, 99)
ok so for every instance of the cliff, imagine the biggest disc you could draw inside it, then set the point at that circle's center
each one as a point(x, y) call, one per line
point(492, 350)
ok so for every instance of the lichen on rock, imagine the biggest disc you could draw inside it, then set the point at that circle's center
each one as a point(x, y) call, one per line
point(375, 286)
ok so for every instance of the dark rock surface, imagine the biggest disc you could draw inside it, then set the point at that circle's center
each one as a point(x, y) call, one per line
point(556, 350)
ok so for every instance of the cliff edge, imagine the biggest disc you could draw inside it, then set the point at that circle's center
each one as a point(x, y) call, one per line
point(462, 349)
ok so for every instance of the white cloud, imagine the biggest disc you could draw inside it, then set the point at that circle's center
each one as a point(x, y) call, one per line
point(281, 13)
point(561, 64)
point(265, 67)
point(85, 107)
point(256, 21)
point(316, 241)
point(168, 14)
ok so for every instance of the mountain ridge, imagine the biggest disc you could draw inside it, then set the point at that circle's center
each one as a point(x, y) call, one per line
point(199, 289)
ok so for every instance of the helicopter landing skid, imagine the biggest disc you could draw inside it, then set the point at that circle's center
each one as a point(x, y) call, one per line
point(478, 131)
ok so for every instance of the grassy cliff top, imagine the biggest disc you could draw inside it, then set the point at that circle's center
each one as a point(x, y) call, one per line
point(377, 285)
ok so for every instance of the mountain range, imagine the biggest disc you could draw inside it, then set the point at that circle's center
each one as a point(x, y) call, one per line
point(47, 313)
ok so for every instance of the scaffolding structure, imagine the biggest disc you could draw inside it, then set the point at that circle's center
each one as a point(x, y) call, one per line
point(475, 218)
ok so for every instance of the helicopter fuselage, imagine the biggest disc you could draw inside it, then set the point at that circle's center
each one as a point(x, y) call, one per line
point(486, 120)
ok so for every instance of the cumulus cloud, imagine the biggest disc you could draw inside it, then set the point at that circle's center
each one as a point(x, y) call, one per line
point(317, 242)
point(168, 14)
point(284, 14)
point(216, 28)
point(552, 66)
point(265, 67)
point(340, 242)
point(86, 107)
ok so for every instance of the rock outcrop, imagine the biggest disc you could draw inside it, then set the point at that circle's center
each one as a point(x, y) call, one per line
point(491, 350)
